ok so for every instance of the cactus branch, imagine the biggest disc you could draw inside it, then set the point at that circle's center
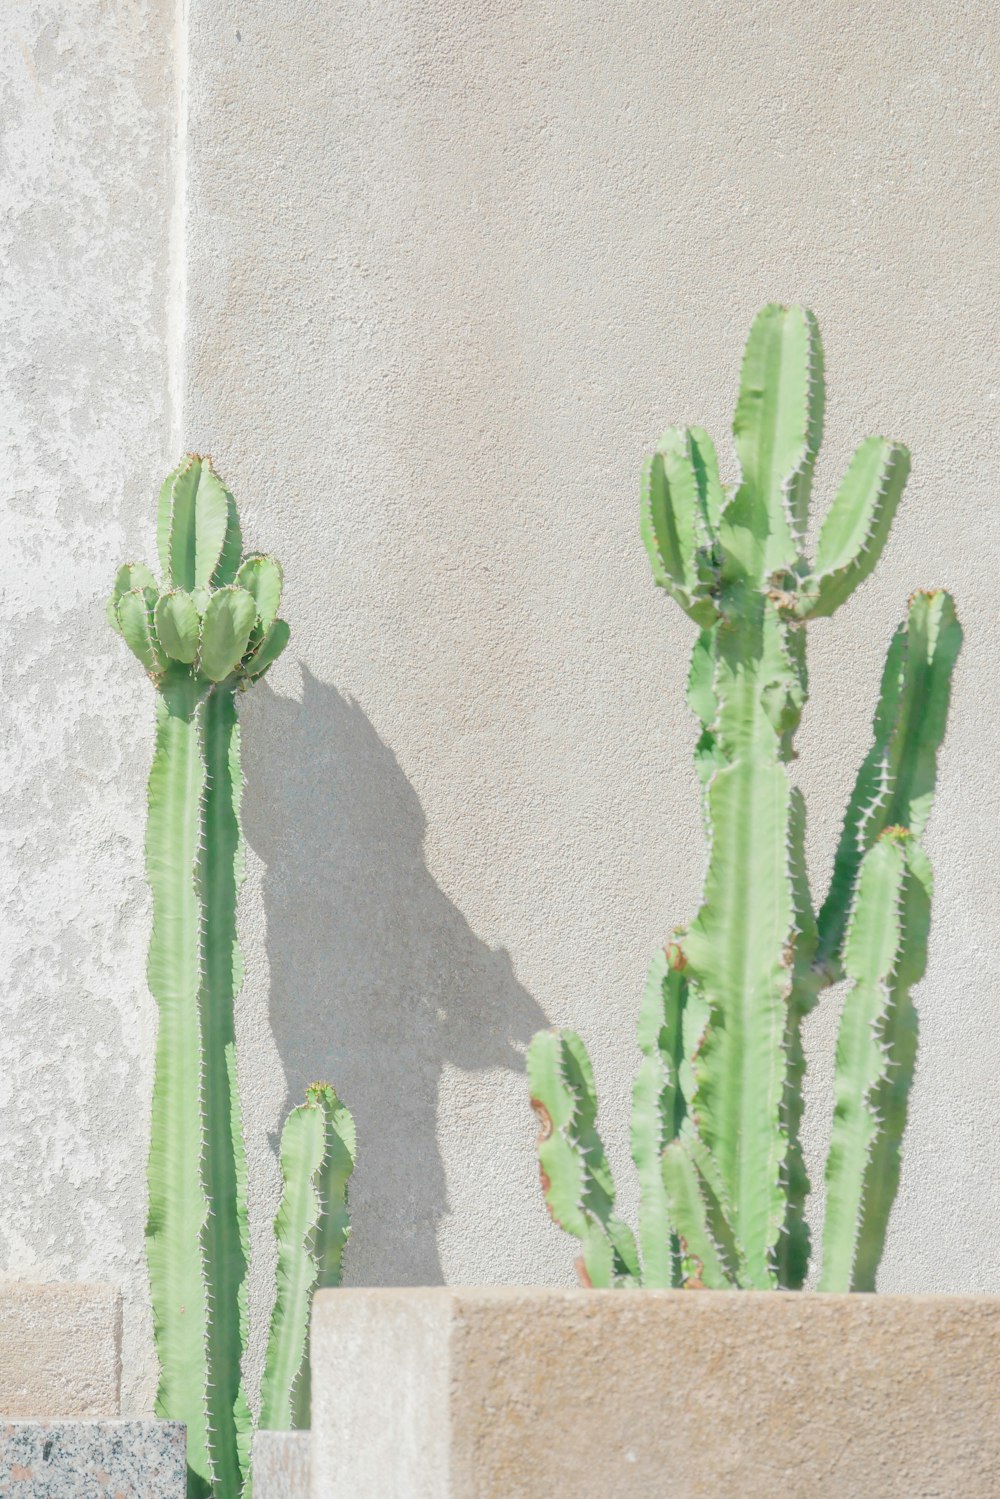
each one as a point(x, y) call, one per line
point(658, 1108)
point(777, 429)
point(872, 952)
point(576, 1178)
point(895, 785)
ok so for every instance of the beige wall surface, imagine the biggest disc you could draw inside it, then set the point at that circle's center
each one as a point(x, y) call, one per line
point(446, 270)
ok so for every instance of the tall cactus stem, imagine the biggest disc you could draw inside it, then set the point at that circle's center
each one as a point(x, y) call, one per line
point(209, 631)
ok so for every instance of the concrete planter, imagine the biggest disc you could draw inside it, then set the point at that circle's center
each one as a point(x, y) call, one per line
point(526, 1394)
point(60, 1350)
point(92, 1460)
point(281, 1465)
point(60, 1375)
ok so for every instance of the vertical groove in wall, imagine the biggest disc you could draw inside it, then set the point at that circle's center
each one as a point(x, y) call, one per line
point(177, 287)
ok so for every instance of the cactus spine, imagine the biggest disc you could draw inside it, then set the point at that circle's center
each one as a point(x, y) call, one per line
point(717, 1102)
point(210, 631)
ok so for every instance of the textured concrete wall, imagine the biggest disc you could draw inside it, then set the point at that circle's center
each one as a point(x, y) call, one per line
point(452, 266)
point(87, 115)
point(449, 268)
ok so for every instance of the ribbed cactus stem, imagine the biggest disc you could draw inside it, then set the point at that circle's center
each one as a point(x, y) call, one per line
point(197, 1178)
point(178, 1203)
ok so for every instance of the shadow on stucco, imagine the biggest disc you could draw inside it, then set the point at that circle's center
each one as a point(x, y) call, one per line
point(377, 980)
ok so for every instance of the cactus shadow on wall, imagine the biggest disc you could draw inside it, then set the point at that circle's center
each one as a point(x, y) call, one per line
point(376, 979)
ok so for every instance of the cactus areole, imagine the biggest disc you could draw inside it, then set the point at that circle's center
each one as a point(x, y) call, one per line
point(717, 1101)
point(210, 630)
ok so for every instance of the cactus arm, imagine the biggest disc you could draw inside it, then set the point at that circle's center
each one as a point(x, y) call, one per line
point(675, 527)
point(231, 553)
point(658, 1106)
point(871, 954)
point(130, 575)
point(197, 529)
point(181, 565)
point(934, 639)
point(262, 578)
point(178, 625)
point(311, 1229)
point(165, 511)
point(178, 1207)
point(576, 1178)
point(270, 648)
point(224, 1239)
point(793, 1248)
point(652, 1096)
point(856, 529)
point(212, 503)
point(890, 1098)
point(135, 625)
point(706, 467)
point(702, 1262)
point(865, 815)
point(225, 631)
point(895, 786)
point(678, 509)
point(777, 429)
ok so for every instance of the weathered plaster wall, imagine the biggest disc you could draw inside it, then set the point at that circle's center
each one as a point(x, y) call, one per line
point(87, 114)
point(449, 268)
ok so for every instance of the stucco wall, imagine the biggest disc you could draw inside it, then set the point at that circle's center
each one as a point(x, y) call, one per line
point(448, 269)
point(87, 117)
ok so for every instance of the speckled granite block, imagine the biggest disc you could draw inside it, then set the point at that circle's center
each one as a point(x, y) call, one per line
point(92, 1460)
point(281, 1465)
point(59, 1350)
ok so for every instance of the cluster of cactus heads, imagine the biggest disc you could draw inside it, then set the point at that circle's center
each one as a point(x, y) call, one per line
point(717, 1101)
point(211, 629)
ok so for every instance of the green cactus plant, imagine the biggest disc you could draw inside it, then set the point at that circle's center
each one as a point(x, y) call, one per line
point(717, 1101)
point(211, 631)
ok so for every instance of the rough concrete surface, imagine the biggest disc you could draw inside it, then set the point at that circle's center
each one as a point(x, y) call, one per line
point(523, 1394)
point(86, 122)
point(60, 1350)
point(281, 1465)
point(92, 1460)
point(446, 270)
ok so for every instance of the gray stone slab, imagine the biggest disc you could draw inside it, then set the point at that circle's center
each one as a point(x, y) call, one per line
point(60, 1350)
point(281, 1465)
point(92, 1460)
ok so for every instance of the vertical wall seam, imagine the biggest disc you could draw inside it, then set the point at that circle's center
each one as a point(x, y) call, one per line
point(177, 280)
